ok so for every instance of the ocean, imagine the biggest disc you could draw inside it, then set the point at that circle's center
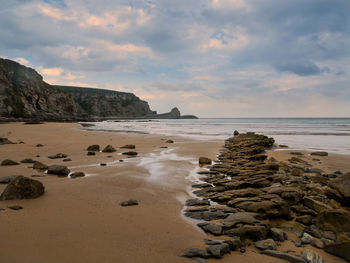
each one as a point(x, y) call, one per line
point(314, 134)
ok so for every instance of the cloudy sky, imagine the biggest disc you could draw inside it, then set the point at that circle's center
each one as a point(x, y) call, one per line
point(212, 58)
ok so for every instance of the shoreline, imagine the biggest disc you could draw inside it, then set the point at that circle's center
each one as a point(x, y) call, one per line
point(157, 225)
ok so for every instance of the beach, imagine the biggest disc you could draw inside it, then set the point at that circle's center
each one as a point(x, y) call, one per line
point(81, 220)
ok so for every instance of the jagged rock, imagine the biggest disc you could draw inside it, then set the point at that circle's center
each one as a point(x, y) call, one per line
point(336, 220)
point(130, 202)
point(22, 188)
point(8, 162)
point(278, 234)
point(128, 146)
point(130, 153)
point(266, 208)
point(39, 166)
point(204, 160)
point(218, 251)
point(265, 244)
point(196, 202)
point(94, 148)
point(319, 153)
point(5, 141)
point(60, 170)
point(306, 239)
point(57, 156)
point(109, 149)
point(7, 179)
point(251, 232)
point(235, 243)
point(214, 229)
point(15, 207)
point(77, 174)
point(28, 160)
point(283, 255)
point(91, 153)
point(315, 205)
point(196, 252)
point(311, 256)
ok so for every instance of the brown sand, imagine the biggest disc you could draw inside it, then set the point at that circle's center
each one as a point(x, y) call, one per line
point(80, 220)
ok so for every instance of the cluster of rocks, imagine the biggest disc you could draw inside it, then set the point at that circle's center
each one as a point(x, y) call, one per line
point(246, 196)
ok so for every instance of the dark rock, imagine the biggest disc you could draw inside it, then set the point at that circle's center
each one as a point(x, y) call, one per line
point(58, 156)
point(39, 145)
point(319, 153)
point(22, 188)
point(58, 170)
point(109, 149)
point(265, 244)
point(77, 174)
point(15, 207)
point(336, 220)
point(342, 185)
point(94, 148)
point(278, 234)
point(283, 255)
point(297, 153)
point(9, 162)
point(235, 133)
point(315, 205)
point(130, 153)
point(341, 250)
point(240, 218)
point(235, 243)
point(213, 229)
point(67, 160)
point(5, 141)
point(103, 164)
point(169, 141)
point(7, 179)
point(251, 232)
point(128, 146)
point(28, 160)
point(130, 202)
point(91, 153)
point(305, 219)
point(204, 160)
point(196, 202)
point(218, 251)
point(196, 252)
point(39, 166)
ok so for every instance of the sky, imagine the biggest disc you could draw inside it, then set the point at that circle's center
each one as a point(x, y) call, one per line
point(211, 58)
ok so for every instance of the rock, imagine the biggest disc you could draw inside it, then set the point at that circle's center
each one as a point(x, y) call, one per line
point(94, 148)
point(214, 229)
point(341, 250)
point(319, 153)
point(240, 218)
point(235, 133)
point(15, 207)
point(7, 179)
point(57, 156)
point(235, 243)
point(296, 172)
point(27, 160)
point(130, 202)
point(336, 220)
point(265, 244)
point(9, 162)
point(196, 202)
point(128, 146)
point(169, 141)
point(67, 160)
point(311, 256)
point(103, 164)
point(283, 146)
point(109, 149)
point(278, 234)
point(77, 174)
point(218, 251)
point(196, 252)
point(315, 205)
point(22, 188)
point(130, 153)
point(91, 153)
point(60, 170)
point(201, 260)
point(342, 185)
point(305, 219)
point(5, 141)
point(39, 166)
point(283, 255)
point(251, 232)
point(297, 153)
point(38, 175)
point(306, 239)
point(39, 145)
point(204, 160)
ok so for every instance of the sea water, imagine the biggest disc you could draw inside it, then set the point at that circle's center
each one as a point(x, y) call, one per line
point(315, 134)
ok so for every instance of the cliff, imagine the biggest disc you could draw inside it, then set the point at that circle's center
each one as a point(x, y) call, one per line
point(23, 93)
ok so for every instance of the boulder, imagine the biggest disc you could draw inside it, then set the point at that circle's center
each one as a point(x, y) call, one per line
point(94, 148)
point(311, 256)
point(109, 149)
point(319, 153)
point(60, 170)
point(7, 179)
point(39, 166)
point(130, 202)
point(265, 244)
point(128, 146)
point(218, 251)
point(9, 162)
point(22, 188)
point(28, 160)
point(204, 160)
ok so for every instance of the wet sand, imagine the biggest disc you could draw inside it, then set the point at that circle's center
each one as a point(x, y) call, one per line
point(80, 220)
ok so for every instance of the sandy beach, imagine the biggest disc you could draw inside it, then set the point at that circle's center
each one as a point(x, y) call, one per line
point(81, 220)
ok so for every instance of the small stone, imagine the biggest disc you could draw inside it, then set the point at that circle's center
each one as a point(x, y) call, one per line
point(311, 256)
point(9, 162)
point(39, 166)
point(121, 161)
point(265, 244)
point(91, 153)
point(15, 207)
point(130, 153)
point(109, 149)
point(28, 160)
point(103, 164)
point(130, 202)
point(306, 239)
point(67, 160)
point(204, 160)
point(319, 153)
point(57, 156)
point(128, 146)
point(94, 148)
point(169, 141)
point(77, 174)
point(218, 251)
point(278, 234)
point(39, 145)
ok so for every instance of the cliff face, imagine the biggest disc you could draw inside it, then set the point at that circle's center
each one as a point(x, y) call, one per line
point(23, 93)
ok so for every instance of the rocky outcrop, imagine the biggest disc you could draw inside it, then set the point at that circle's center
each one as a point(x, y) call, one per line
point(173, 114)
